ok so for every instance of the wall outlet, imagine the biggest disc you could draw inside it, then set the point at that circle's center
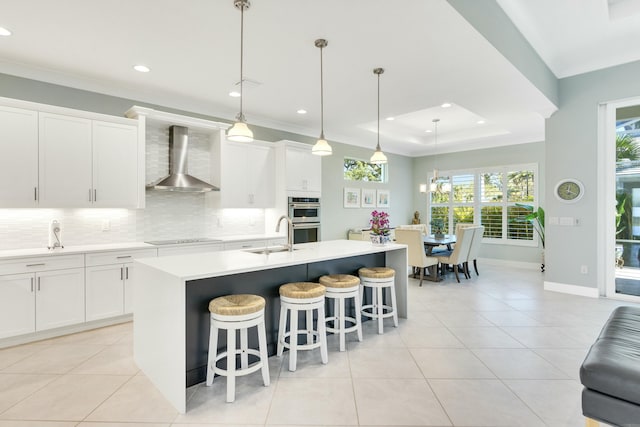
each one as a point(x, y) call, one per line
point(584, 269)
point(106, 225)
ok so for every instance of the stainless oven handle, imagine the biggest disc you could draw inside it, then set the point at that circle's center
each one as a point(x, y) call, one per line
point(304, 205)
point(306, 225)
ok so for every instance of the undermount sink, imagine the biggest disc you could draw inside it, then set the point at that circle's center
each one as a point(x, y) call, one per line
point(268, 250)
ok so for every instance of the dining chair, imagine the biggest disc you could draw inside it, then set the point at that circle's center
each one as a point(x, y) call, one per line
point(418, 259)
point(460, 251)
point(474, 249)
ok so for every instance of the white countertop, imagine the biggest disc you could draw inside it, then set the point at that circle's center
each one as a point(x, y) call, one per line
point(79, 249)
point(70, 250)
point(212, 264)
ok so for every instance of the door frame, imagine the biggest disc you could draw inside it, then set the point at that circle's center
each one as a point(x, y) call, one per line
point(606, 172)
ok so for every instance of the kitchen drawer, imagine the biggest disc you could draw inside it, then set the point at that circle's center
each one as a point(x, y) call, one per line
point(118, 257)
point(35, 264)
point(189, 249)
point(278, 242)
point(245, 244)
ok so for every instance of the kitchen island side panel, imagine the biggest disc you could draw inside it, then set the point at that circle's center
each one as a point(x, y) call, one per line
point(264, 283)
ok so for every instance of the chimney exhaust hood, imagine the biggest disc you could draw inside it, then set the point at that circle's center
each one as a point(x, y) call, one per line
point(179, 178)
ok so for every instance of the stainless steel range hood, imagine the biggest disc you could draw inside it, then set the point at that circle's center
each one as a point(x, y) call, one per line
point(179, 178)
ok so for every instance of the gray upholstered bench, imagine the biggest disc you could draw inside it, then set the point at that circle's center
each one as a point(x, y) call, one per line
point(611, 372)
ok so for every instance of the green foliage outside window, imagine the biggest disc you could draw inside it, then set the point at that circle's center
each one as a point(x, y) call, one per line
point(360, 170)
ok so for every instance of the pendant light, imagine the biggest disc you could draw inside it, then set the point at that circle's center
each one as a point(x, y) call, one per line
point(378, 157)
point(437, 186)
point(240, 132)
point(321, 147)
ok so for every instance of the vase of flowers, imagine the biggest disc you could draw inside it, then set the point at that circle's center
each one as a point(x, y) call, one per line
point(379, 228)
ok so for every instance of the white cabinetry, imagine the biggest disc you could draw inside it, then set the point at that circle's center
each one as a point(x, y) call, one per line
point(18, 157)
point(65, 161)
point(115, 165)
point(109, 282)
point(56, 157)
point(247, 175)
point(303, 170)
point(87, 163)
point(37, 294)
point(248, 244)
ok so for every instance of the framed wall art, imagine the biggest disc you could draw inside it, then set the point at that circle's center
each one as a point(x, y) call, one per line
point(383, 198)
point(351, 197)
point(368, 198)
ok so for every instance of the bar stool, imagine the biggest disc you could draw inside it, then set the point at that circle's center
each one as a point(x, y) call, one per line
point(341, 287)
point(295, 297)
point(232, 313)
point(379, 278)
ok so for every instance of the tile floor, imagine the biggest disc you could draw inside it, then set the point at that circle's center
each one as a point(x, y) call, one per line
point(495, 350)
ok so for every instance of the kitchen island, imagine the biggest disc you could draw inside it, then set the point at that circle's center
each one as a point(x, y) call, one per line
point(171, 296)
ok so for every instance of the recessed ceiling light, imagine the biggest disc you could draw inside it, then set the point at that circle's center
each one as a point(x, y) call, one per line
point(481, 122)
point(4, 32)
point(428, 131)
point(141, 68)
point(446, 105)
point(390, 118)
point(301, 111)
point(234, 94)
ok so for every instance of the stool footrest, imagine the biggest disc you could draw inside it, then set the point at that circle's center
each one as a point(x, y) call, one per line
point(374, 312)
point(241, 371)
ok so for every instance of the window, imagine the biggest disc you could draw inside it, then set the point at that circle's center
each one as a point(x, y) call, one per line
point(360, 170)
point(490, 197)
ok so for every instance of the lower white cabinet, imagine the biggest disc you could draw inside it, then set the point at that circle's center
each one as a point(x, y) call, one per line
point(109, 278)
point(59, 298)
point(31, 302)
point(189, 249)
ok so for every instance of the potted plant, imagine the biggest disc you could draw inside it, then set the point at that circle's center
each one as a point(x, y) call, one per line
point(536, 219)
point(437, 227)
point(379, 227)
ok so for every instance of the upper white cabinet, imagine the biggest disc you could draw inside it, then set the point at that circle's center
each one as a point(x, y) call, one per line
point(61, 158)
point(65, 161)
point(18, 157)
point(115, 165)
point(247, 175)
point(303, 170)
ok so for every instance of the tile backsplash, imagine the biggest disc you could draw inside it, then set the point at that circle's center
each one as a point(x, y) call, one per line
point(168, 215)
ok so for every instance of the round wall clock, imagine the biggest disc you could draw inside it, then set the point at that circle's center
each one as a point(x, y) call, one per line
point(569, 190)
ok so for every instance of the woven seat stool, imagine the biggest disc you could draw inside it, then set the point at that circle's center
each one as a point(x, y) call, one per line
point(379, 279)
point(237, 313)
point(307, 297)
point(341, 287)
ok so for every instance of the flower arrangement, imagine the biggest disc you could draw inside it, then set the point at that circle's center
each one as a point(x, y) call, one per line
point(379, 223)
point(437, 226)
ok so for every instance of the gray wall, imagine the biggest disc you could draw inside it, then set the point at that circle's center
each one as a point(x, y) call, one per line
point(337, 220)
point(522, 153)
point(572, 140)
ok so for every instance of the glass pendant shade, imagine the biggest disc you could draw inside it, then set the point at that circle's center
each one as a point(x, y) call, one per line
point(378, 157)
point(322, 148)
point(240, 132)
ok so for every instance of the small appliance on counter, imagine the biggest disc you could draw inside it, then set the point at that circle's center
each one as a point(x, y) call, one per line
point(55, 235)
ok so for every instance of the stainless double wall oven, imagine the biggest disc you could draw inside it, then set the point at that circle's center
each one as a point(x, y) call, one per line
point(305, 215)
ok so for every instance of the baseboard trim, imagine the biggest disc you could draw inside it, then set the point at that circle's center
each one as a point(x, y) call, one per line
point(65, 330)
point(572, 289)
point(508, 263)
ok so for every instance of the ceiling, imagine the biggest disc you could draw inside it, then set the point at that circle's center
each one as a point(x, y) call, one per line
point(430, 54)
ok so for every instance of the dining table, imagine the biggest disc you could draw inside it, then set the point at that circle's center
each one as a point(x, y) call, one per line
point(430, 242)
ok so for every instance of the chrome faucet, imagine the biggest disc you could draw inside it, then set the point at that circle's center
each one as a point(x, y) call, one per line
point(289, 231)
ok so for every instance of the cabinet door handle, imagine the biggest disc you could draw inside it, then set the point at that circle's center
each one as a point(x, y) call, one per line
point(35, 194)
point(38, 284)
point(32, 284)
point(36, 265)
point(126, 271)
point(123, 256)
point(95, 195)
point(121, 273)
